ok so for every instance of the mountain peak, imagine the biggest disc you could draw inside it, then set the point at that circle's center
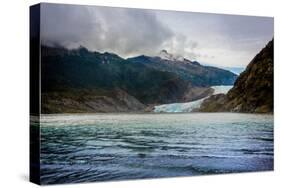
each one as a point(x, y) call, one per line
point(164, 54)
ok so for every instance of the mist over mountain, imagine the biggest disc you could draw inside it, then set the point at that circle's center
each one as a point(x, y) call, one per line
point(219, 39)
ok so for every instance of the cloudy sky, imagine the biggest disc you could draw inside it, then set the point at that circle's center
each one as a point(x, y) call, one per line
point(215, 39)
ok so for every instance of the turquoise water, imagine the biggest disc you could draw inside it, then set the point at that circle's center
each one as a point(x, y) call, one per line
point(86, 148)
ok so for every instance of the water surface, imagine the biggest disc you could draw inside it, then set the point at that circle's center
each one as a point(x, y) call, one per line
point(84, 147)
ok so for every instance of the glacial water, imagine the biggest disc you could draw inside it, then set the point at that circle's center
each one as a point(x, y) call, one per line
point(99, 147)
point(189, 106)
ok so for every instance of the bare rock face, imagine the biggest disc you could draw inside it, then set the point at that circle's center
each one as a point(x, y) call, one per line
point(215, 103)
point(252, 91)
point(197, 93)
point(90, 101)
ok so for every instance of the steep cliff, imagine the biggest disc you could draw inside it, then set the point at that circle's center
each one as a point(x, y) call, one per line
point(253, 89)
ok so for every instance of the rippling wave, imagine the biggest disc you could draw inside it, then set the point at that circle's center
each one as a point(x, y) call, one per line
point(86, 148)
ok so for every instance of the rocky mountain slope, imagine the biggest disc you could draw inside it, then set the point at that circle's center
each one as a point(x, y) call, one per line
point(253, 89)
point(90, 100)
point(192, 71)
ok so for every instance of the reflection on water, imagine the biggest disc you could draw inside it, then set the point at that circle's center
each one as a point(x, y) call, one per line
point(79, 148)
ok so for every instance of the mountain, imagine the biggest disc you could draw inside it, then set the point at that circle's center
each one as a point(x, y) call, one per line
point(83, 81)
point(187, 70)
point(253, 89)
point(79, 80)
point(89, 100)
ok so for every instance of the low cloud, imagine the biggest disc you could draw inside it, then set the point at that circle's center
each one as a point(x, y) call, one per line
point(123, 31)
point(220, 40)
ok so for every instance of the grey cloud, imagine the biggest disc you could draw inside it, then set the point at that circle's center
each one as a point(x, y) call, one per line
point(245, 27)
point(181, 45)
point(123, 31)
point(212, 30)
point(214, 38)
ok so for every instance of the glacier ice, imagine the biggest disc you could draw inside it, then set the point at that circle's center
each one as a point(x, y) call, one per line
point(189, 106)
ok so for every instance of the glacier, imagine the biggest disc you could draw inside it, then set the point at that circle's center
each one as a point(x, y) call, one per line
point(189, 106)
